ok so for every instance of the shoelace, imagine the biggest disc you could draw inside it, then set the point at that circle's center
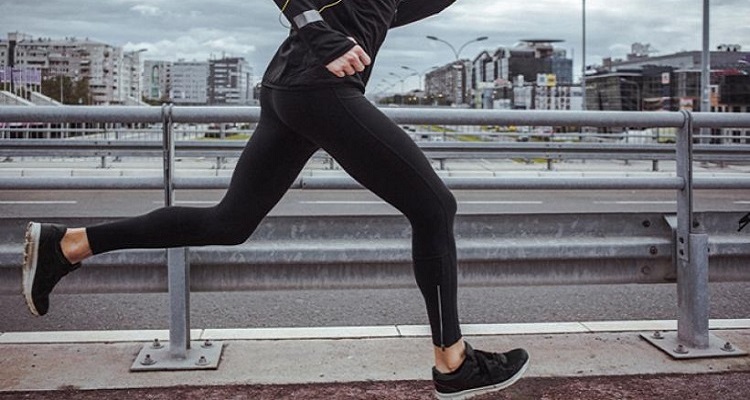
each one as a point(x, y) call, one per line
point(484, 359)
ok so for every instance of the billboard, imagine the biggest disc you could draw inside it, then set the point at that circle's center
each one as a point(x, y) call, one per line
point(548, 80)
point(21, 76)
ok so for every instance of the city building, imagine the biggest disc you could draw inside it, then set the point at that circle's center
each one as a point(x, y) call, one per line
point(668, 82)
point(229, 82)
point(189, 82)
point(493, 75)
point(112, 75)
point(544, 94)
point(725, 57)
point(157, 80)
point(448, 84)
point(672, 82)
point(532, 57)
point(557, 97)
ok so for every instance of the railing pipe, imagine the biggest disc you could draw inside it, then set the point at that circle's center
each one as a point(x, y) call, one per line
point(721, 120)
point(313, 182)
point(416, 116)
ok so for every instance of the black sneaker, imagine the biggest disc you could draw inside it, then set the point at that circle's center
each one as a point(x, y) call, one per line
point(43, 264)
point(481, 372)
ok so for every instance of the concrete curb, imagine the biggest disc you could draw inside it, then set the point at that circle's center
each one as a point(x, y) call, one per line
point(358, 332)
point(89, 366)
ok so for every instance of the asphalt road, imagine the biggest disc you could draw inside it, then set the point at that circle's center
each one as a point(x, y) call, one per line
point(366, 307)
point(51, 204)
point(299, 308)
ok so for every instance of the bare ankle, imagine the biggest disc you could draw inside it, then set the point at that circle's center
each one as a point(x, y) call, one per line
point(451, 358)
point(75, 245)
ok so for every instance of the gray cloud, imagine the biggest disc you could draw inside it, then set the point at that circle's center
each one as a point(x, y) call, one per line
point(192, 29)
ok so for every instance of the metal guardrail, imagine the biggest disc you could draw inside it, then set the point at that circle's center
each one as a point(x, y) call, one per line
point(433, 150)
point(689, 244)
point(347, 251)
point(441, 152)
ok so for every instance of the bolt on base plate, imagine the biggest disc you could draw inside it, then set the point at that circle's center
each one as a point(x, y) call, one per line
point(201, 355)
point(668, 343)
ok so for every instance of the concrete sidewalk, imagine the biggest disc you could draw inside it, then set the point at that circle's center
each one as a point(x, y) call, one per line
point(368, 362)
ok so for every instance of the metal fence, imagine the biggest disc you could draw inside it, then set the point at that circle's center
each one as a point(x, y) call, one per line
point(687, 233)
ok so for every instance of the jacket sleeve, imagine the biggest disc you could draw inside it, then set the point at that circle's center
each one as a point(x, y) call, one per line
point(326, 43)
point(409, 11)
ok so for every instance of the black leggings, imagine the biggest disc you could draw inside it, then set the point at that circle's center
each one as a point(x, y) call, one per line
point(367, 144)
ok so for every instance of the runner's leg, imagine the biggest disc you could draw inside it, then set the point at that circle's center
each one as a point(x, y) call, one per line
point(378, 154)
point(267, 167)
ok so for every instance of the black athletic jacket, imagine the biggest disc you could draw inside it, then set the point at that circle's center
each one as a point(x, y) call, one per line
point(301, 59)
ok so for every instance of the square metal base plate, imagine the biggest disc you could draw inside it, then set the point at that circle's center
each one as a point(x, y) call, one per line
point(668, 343)
point(199, 357)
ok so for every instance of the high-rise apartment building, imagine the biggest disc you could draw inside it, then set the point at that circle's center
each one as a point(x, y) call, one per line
point(157, 80)
point(189, 82)
point(229, 82)
point(113, 75)
point(448, 84)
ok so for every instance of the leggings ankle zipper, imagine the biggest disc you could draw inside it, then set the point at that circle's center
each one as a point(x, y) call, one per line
point(440, 317)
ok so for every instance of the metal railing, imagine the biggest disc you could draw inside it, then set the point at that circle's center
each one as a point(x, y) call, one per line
point(145, 142)
point(440, 151)
point(689, 243)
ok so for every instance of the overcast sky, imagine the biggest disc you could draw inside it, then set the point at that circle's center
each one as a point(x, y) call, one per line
point(192, 29)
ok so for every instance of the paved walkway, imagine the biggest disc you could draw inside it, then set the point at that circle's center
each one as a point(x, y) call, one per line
point(575, 360)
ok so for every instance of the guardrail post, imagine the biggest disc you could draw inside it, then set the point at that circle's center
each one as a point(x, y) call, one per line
point(179, 355)
point(692, 339)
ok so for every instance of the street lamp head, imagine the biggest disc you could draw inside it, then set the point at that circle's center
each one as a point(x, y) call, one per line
point(432, 38)
point(479, 39)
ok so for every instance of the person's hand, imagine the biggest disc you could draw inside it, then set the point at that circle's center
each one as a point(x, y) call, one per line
point(355, 60)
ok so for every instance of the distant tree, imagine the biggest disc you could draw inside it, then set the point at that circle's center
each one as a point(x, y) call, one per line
point(67, 90)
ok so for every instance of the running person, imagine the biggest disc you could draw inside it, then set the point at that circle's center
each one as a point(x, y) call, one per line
point(312, 98)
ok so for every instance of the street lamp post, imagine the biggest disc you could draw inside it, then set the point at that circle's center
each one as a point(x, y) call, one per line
point(457, 54)
point(383, 86)
point(705, 69)
point(401, 79)
point(419, 76)
point(583, 68)
point(418, 73)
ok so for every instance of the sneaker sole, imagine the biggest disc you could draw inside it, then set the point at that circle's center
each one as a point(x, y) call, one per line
point(30, 257)
point(467, 394)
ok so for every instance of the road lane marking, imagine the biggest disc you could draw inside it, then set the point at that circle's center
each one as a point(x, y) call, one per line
point(636, 202)
point(190, 202)
point(742, 202)
point(37, 202)
point(501, 202)
point(339, 202)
